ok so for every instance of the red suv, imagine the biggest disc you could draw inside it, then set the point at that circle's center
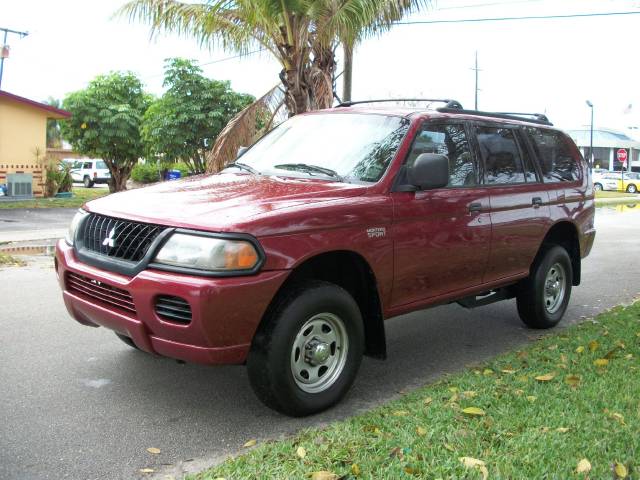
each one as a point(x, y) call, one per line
point(291, 258)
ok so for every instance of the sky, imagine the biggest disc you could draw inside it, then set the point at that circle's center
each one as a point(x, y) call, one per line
point(537, 65)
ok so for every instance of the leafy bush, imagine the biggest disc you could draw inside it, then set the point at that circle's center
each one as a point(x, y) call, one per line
point(145, 173)
point(58, 178)
point(182, 167)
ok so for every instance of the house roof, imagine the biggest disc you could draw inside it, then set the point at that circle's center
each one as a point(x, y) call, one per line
point(53, 112)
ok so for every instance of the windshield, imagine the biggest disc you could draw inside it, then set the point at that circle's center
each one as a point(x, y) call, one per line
point(346, 147)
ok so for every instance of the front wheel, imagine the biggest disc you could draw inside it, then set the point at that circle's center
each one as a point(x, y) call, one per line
point(87, 182)
point(631, 188)
point(307, 351)
point(543, 297)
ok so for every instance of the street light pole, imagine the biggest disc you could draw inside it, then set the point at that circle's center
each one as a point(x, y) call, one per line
point(4, 45)
point(591, 136)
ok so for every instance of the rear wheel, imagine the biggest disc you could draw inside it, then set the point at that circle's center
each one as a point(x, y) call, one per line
point(87, 182)
point(631, 188)
point(597, 186)
point(543, 297)
point(307, 352)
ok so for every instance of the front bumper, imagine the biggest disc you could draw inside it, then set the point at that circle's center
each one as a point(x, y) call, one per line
point(225, 311)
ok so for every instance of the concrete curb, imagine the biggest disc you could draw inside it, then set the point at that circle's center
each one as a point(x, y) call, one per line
point(31, 235)
point(617, 201)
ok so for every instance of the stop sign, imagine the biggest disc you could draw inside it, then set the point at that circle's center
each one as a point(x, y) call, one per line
point(622, 155)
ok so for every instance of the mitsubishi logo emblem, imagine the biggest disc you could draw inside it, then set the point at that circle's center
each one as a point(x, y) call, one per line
point(109, 241)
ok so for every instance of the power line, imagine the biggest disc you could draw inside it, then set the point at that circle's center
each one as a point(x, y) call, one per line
point(529, 17)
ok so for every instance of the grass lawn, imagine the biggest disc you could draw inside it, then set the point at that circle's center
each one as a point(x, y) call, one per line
point(567, 406)
point(7, 260)
point(606, 194)
point(80, 196)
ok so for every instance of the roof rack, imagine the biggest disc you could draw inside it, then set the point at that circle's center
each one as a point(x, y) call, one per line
point(523, 117)
point(451, 104)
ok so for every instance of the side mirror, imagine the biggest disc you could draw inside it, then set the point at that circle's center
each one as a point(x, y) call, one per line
point(241, 151)
point(430, 170)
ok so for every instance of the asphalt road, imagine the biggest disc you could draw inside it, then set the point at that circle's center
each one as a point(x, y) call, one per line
point(24, 219)
point(77, 403)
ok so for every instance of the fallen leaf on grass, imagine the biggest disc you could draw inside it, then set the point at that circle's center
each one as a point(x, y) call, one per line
point(469, 394)
point(487, 371)
point(301, 452)
point(546, 378)
point(147, 470)
point(572, 380)
point(532, 398)
point(397, 453)
point(427, 400)
point(508, 370)
point(629, 356)
point(250, 443)
point(473, 411)
point(323, 475)
point(584, 466)
point(601, 362)
point(400, 413)
point(355, 470)
point(153, 450)
point(593, 345)
point(449, 447)
point(471, 462)
point(618, 417)
point(562, 429)
point(620, 470)
point(580, 349)
point(421, 431)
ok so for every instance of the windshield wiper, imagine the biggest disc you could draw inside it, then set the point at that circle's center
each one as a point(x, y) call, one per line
point(304, 167)
point(243, 166)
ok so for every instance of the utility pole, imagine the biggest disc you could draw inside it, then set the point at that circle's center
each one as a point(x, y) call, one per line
point(476, 69)
point(4, 48)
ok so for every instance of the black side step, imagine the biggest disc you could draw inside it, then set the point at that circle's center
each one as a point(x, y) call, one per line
point(486, 298)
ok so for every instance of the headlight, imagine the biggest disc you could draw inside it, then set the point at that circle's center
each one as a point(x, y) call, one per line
point(71, 234)
point(207, 253)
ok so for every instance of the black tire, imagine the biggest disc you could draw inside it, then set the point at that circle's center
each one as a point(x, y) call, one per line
point(535, 302)
point(272, 358)
point(87, 182)
point(597, 187)
point(127, 340)
point(631, 188)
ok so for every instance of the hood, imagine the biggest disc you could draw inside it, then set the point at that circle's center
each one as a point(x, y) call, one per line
point(220, 202)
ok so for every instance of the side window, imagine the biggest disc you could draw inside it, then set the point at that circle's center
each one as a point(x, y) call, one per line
point(87, 166)
point(100, 165)
point(529, 169)
point(557, 161)
point(501, 156)
point(449, 140)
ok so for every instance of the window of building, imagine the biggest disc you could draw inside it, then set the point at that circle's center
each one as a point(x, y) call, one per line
point(556, 156)
point(450, 140)
point(501, 156)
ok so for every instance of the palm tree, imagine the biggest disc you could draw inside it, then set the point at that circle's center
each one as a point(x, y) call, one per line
point(54, 138)
point(302, 35)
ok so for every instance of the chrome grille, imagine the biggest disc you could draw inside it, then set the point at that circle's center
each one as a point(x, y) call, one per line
point(118, 238)
point(100, 291)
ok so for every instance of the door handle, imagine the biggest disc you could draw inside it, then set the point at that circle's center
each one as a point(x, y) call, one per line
point(536, 202)
point(475, 207)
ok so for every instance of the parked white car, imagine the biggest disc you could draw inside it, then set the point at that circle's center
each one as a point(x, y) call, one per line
point(604, 180)
point(90, 172)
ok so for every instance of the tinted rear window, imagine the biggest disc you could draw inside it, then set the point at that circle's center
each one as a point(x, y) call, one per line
point(501, 156)
point(555, 153)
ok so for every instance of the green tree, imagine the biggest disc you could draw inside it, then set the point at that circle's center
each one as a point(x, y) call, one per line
point(54, 137)
point(183, 124)
point(105, 123)
point(300, 34)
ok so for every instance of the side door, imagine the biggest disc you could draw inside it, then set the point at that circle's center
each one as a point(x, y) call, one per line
point(441, 236)
point(518, 198)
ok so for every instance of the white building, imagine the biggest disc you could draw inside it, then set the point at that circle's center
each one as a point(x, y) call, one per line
point(606, 144)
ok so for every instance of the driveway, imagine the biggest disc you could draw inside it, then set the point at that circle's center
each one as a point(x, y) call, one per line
point(77, 403)
point(21, 224)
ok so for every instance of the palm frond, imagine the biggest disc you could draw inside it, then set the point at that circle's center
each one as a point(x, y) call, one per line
point(246, 127)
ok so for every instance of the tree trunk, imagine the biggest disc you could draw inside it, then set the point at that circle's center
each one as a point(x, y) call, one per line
point(322, 71)
point(119, 177)
point(347, 75)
